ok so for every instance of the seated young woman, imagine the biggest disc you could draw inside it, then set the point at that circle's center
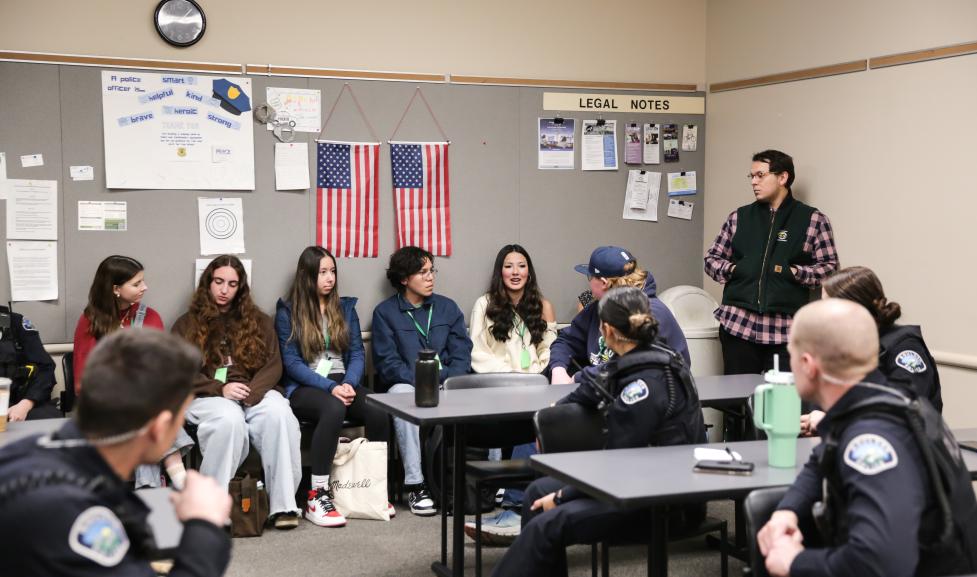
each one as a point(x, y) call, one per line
point(322, 351)
point(238, 402)
point(512, 325)
point(115, 301)
point(904, 359)
point(512, 328)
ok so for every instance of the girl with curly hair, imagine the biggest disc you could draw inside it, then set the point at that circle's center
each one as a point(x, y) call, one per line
point(238, 402)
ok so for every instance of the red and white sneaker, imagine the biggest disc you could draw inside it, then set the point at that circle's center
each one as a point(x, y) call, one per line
point(391, 511)
point(321, 511)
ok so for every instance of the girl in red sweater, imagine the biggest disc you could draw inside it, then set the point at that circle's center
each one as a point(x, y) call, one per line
point(115, 302)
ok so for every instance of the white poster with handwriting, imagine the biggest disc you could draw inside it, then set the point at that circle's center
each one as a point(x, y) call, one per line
point(177, 131)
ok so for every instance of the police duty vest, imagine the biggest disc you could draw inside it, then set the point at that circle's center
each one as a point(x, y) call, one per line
point(948, 532)
point(680, 426)
point(764, 247)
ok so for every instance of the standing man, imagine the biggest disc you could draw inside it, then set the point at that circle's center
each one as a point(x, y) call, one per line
point(66, 506)
point(413, 319)
point(770, 255)
point(887, 488)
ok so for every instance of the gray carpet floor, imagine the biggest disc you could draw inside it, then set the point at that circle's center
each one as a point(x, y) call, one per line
point(406, 546)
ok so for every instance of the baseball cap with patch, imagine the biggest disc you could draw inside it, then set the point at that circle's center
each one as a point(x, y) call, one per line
point(607, 262)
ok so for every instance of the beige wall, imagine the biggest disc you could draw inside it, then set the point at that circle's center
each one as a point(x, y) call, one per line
point(887, 154)
point(572, 39)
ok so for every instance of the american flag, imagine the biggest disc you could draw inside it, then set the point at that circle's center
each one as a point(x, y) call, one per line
point(420, 179)
point(347, 199)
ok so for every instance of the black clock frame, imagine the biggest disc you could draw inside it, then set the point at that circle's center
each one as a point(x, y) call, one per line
point(203, 25)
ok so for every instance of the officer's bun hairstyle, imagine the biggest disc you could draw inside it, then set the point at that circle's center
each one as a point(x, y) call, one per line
point(131, 377)
point(779, 162)
point(859, 284)
point(405, 262)
point(626, 309)
point(103, 307)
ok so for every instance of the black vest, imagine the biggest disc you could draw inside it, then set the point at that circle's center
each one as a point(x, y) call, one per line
point(764, 247)
point(948, 531)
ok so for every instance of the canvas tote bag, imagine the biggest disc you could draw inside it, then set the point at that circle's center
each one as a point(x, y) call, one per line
point(359, 479)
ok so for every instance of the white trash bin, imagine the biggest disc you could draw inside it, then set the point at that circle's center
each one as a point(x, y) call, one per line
point(693, 309)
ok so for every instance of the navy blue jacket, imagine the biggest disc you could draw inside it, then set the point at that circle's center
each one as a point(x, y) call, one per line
point(297, 372)
point(884, 502)
point(396, 341)
point(579, 340)
point(55, 519)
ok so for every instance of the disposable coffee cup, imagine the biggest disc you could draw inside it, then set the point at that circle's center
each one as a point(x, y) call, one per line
point(4, 401)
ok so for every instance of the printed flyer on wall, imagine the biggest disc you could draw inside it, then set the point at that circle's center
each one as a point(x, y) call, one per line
point(556, 143)
point(599, 145)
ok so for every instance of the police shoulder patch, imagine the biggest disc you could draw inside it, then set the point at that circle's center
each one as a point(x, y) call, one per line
point(870, 454)
point(98, 535)
point(635, 392)
point(27, 324)
point(911, 361)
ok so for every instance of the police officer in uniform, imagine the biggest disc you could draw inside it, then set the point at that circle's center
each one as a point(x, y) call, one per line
point(24, 361)
point(887, 488)
point(651, 400)
point(65, 504)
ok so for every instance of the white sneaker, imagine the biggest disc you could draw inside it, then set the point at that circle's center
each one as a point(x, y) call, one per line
point(498, 531)
point(421, 502)
point(391, 511)
point(321, 511)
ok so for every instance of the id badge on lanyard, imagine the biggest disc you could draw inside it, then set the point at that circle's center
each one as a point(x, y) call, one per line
point(425, 334)
point(524, 359)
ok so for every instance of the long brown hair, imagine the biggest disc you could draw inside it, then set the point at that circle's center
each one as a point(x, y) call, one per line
point(859, 284)
point(241, 322)
point(500, 309)
point(103, 307)
point(306, 318)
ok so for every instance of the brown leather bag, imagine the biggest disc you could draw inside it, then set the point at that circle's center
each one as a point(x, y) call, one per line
point(249, 511)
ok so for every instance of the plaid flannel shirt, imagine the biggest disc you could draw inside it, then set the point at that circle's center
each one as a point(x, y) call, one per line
point(770, 328)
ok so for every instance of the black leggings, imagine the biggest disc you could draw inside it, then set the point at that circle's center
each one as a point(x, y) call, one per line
point(329, 412)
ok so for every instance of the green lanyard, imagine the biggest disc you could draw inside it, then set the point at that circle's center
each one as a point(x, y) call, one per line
point(524, 359)
point(425, 334)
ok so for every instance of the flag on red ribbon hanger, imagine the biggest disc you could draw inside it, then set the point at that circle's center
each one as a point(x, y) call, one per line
point(420, 181)
point(347, 198)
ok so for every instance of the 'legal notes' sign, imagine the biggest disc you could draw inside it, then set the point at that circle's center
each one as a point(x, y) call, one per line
point(567, 101)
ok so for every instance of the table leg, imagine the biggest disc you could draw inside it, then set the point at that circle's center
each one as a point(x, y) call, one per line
point(458, 506)
point(658, 543)
point(457, 510)
point(443, 501)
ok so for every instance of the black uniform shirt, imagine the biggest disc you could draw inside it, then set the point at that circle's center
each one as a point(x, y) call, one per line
point(53, 523)
point(884, 492)
point(20, 345)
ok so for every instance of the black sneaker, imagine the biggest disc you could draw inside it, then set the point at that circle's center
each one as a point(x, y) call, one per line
point(420, 501)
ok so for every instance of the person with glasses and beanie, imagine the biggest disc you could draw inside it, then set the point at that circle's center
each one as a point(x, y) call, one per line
point(770, 255)
point(413, 319)
point(581, 343)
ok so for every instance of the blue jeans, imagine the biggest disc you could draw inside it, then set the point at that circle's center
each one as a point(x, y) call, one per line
point(515, 496)
point(409, 442)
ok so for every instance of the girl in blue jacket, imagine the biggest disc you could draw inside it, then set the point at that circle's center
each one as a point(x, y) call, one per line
point(322, 350)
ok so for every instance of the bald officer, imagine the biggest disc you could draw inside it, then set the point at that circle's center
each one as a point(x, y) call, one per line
point(877, 511)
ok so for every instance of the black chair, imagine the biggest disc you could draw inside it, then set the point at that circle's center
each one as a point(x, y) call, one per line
point(67, 399)
point(758, 507)
point(490, 474)
point(573, 427)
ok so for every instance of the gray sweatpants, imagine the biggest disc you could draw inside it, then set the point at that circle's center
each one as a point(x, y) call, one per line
point(225, 431)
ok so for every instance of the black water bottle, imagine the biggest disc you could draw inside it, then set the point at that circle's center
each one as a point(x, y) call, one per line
point(426, 379)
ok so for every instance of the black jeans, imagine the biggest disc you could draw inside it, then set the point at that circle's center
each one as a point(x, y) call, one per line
point(742, 357)
point(329, 413)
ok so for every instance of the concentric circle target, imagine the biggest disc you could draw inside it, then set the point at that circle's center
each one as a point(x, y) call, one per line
point(221, 223)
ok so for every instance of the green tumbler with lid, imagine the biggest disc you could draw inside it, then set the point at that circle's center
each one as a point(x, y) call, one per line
point(777, 412)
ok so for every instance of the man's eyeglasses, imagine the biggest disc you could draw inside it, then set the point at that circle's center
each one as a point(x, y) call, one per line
point(759, 175)
point(428, 273)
